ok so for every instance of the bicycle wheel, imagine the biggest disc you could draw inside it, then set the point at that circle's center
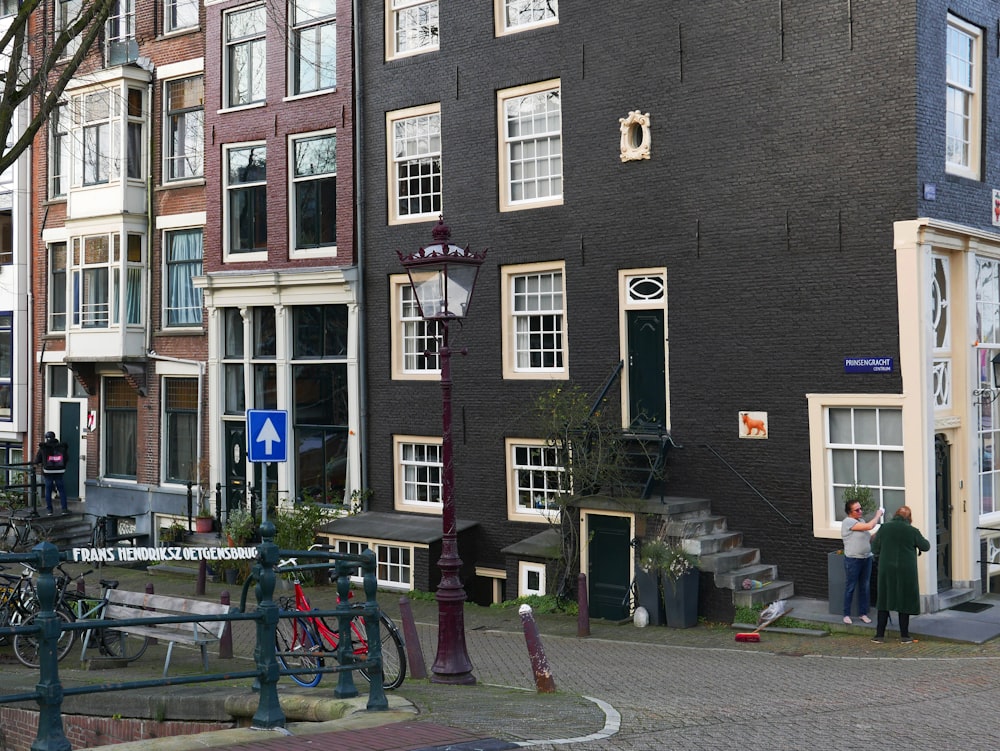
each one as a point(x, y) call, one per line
point(393, 654)
point(121, 645)
point(26, 646)
point(296, 649)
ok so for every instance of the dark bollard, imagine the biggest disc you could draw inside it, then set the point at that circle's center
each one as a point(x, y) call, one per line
point(81, 587)
point(414, 654)
point(539, 663)
point(202, 574)
point(149, 591)
point(583, 607)
point(226, 642)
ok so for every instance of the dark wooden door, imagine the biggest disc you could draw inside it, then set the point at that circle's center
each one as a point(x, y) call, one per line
point(609, 556)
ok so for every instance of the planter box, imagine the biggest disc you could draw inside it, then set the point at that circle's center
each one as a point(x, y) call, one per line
point(649, 596)
point(680, 600)
point(836, 583)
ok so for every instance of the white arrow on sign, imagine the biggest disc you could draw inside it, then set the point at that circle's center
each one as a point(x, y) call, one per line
point(268, 435)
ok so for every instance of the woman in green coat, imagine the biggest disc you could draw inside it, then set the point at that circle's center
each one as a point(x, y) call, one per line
point(896, 545)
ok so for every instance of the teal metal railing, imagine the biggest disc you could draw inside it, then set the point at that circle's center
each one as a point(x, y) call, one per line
point(49, 691)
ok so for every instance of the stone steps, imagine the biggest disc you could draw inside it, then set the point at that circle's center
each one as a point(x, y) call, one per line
point(722, 552)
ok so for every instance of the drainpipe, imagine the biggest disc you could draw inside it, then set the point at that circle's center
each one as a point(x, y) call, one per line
point(359, 235)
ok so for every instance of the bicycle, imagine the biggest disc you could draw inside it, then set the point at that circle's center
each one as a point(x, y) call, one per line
point(110, 642)
point(301, 640)
point(27, 611)
point(19, 533)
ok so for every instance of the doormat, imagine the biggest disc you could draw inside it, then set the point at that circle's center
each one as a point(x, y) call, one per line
point(971, 607)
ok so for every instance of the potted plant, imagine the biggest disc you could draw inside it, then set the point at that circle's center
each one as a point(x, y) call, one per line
point(678, 579)
point(204, 522)
point(238, 527)
point(173, 533)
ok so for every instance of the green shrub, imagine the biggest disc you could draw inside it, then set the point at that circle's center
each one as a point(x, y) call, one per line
point(542, 604)
point(295, 529)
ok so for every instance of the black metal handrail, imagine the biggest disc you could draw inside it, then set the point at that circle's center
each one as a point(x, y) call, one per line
point(749, 484)
point(49, 691)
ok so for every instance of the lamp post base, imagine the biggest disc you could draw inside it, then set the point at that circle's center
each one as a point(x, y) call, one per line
point(452, 664)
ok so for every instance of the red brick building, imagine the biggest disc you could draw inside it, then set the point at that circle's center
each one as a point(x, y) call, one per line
point(280, 283)
point(194, 257)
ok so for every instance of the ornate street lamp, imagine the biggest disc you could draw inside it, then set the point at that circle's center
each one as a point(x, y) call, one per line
point(443, 277)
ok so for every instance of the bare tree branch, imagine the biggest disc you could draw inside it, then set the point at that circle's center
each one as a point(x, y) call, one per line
point(17, 88)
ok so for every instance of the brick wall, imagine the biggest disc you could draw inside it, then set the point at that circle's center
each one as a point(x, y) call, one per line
point(783, 149)
point(19, 728)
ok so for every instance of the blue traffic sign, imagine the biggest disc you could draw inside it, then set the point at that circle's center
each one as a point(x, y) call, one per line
point(267, 439)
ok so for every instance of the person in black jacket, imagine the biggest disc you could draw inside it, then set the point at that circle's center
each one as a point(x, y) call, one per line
point(52, 458)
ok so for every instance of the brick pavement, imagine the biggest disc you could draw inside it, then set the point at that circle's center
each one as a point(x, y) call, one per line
point(689, 689)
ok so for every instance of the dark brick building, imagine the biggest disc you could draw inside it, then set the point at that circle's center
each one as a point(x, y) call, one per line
point(787, 210)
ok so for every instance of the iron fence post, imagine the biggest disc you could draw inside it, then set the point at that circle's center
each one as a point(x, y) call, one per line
point(269, 714)
point(345, 648)
point(50, 735)
point(373, 630)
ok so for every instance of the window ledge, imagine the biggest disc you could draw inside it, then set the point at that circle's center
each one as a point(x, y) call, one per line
point(241, 108)
point(198, 182)
point(309, 94)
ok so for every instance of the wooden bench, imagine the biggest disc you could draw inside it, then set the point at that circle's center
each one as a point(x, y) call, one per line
point(127, 605)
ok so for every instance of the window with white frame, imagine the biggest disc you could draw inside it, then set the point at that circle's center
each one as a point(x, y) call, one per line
point(536, 479)
point(96, 120)
point(183, 251)
point(119, 33)
point(534, 318)
point(418, 473)
point(134, 163)
point(67, 11)
point(987, 335)
point(245, 56)
point(184, 142)
point(530, 142)
point(963, 55)
point(180, 14)
point(530, 579)
point(314, 45)
point(91, 269)
point(8, 8)
point(395, 566)
point(233, 362)
point(6, 365)
point(121, 411)
point(864, 446)
point(246, 198)
point(518, 15)
point(394, 563)
point(414, 138)
point(414, 340)
point(320, 401)
point(57, 286)
point(314, 192)
point(96, 271)
point(62, 383)
point(59, 151)
point(180, 429)
point(412, 27)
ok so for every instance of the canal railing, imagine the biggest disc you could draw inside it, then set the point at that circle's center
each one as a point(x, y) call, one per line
point(47, 626)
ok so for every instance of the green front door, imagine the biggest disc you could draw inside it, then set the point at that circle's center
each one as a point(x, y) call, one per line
point(609, 555)
point(647, 369)
point(69, 431)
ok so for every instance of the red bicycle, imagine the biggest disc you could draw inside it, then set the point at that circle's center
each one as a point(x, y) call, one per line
point(302, 639)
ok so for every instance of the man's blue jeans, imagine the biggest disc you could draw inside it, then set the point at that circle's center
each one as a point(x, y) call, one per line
point(857, 575)
point(57, 481)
